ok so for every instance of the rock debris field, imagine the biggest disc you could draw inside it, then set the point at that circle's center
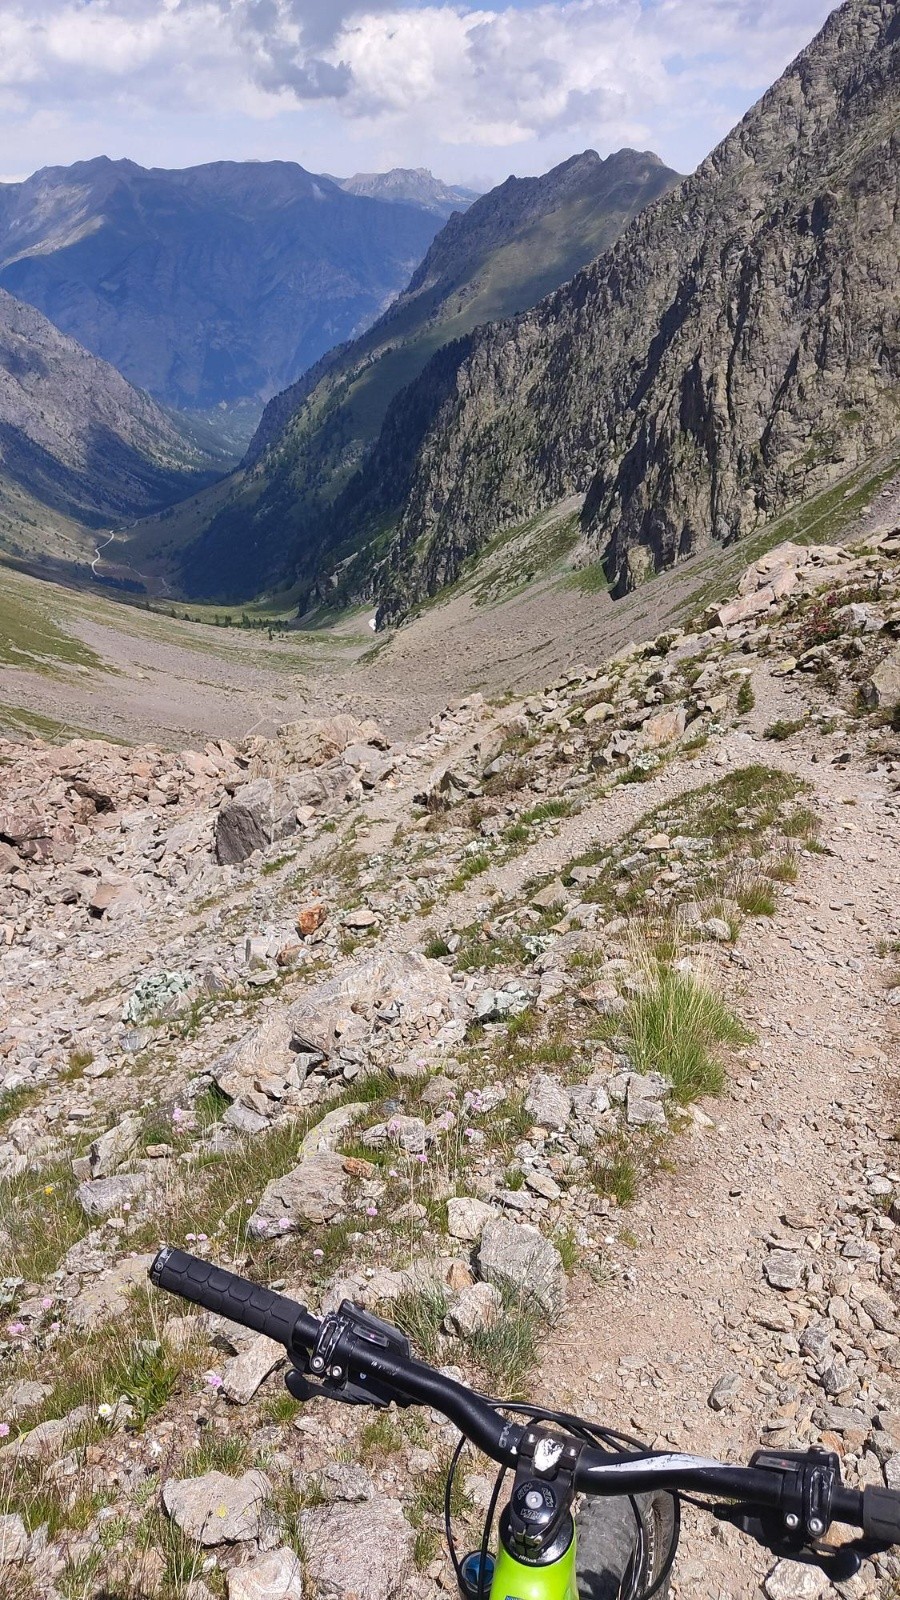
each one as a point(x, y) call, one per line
point(564, 1036)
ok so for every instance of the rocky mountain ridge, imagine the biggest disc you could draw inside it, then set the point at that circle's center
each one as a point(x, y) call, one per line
point(415, 185)
point(78, 438)
point(382, 1038)
point(734, 351)
point(208, 285)
point(288, 513)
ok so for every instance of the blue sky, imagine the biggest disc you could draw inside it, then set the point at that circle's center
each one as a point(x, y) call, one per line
point(472, 91)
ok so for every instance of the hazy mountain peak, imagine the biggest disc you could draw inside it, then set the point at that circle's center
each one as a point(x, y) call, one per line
point(223, 281)
point(411, 185)
point(498, 257)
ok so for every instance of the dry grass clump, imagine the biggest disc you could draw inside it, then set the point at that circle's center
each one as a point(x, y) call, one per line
point(675, 1023)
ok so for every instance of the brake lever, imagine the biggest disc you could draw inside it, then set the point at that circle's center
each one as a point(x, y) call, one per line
point(302, 1387)
point(838, 1562)
point(326, 1372)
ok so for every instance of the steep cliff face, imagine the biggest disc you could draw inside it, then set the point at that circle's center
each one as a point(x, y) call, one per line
point(75, 436)
point(219, 283)
point(735, 350)
point(502, 255)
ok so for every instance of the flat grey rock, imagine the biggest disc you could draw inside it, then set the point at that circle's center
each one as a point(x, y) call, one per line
point(106, 1196)
point(517, 1256)
point(277, 1575)
point(215, 1509)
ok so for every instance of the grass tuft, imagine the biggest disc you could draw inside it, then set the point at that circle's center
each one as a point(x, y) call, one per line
point(420, 1313)
point(230, 1454)
point(41, 1220)
point(784, 728)
point(614, 1173)
point(784, 869)
point(674, 1025)
point(756, 897)
point(506, 1352)
point(471, 868)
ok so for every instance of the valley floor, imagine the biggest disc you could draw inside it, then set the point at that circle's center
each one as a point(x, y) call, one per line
point(84, 661)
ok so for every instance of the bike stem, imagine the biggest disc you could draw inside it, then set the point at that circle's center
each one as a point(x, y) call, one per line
point(537, 1527)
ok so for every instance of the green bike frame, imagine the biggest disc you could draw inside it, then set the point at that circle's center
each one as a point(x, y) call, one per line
point(513, 1580)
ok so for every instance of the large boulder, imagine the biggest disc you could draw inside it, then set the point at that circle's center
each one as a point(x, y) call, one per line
point(467, 1217)
point(251, 820)
point(108, 1152)
point(250, 1367)
point(115, 901)
point(262, 1069)
point(475, 1308)
point(747, 606)
point(664, 728)
point(516, 1257)
point(109, 1294)
point(882, 691)
point(103, 1197)
point(408, 981)
point(14, 1540)
point(548, 1102)
point(277, 1575)
point(310, 742)
point(315, 1191)
point(358, 1552)
point(322, 788)
point(791, 1580)
point(333, 1128)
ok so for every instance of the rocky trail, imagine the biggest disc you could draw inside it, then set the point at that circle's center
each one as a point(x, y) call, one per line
point(798, 1159)
point(368, 1021)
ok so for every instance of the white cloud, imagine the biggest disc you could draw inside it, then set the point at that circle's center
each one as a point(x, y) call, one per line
point(394, 79)
point(614, 66)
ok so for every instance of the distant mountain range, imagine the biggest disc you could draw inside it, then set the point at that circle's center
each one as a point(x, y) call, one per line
point(76, 438)
point(736, 351)
point(216, 284)
point(293, 508)
point(413, 185)
point(688, 357)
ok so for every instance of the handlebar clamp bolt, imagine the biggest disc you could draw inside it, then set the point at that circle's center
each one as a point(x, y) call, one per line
point(317, 1364)
point(335, 1372)
point(792, 1521)
point(816, 1526)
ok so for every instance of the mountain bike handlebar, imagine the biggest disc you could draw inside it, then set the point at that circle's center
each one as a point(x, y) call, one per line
point(352, 1355)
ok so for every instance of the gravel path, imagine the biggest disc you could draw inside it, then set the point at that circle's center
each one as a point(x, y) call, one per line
point(811, 1111)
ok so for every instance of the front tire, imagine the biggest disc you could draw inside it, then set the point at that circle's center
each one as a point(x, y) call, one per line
point(608, 1541)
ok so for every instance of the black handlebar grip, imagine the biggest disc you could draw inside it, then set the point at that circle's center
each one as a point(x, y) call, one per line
point(230, 1296)
point(881, 1514)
